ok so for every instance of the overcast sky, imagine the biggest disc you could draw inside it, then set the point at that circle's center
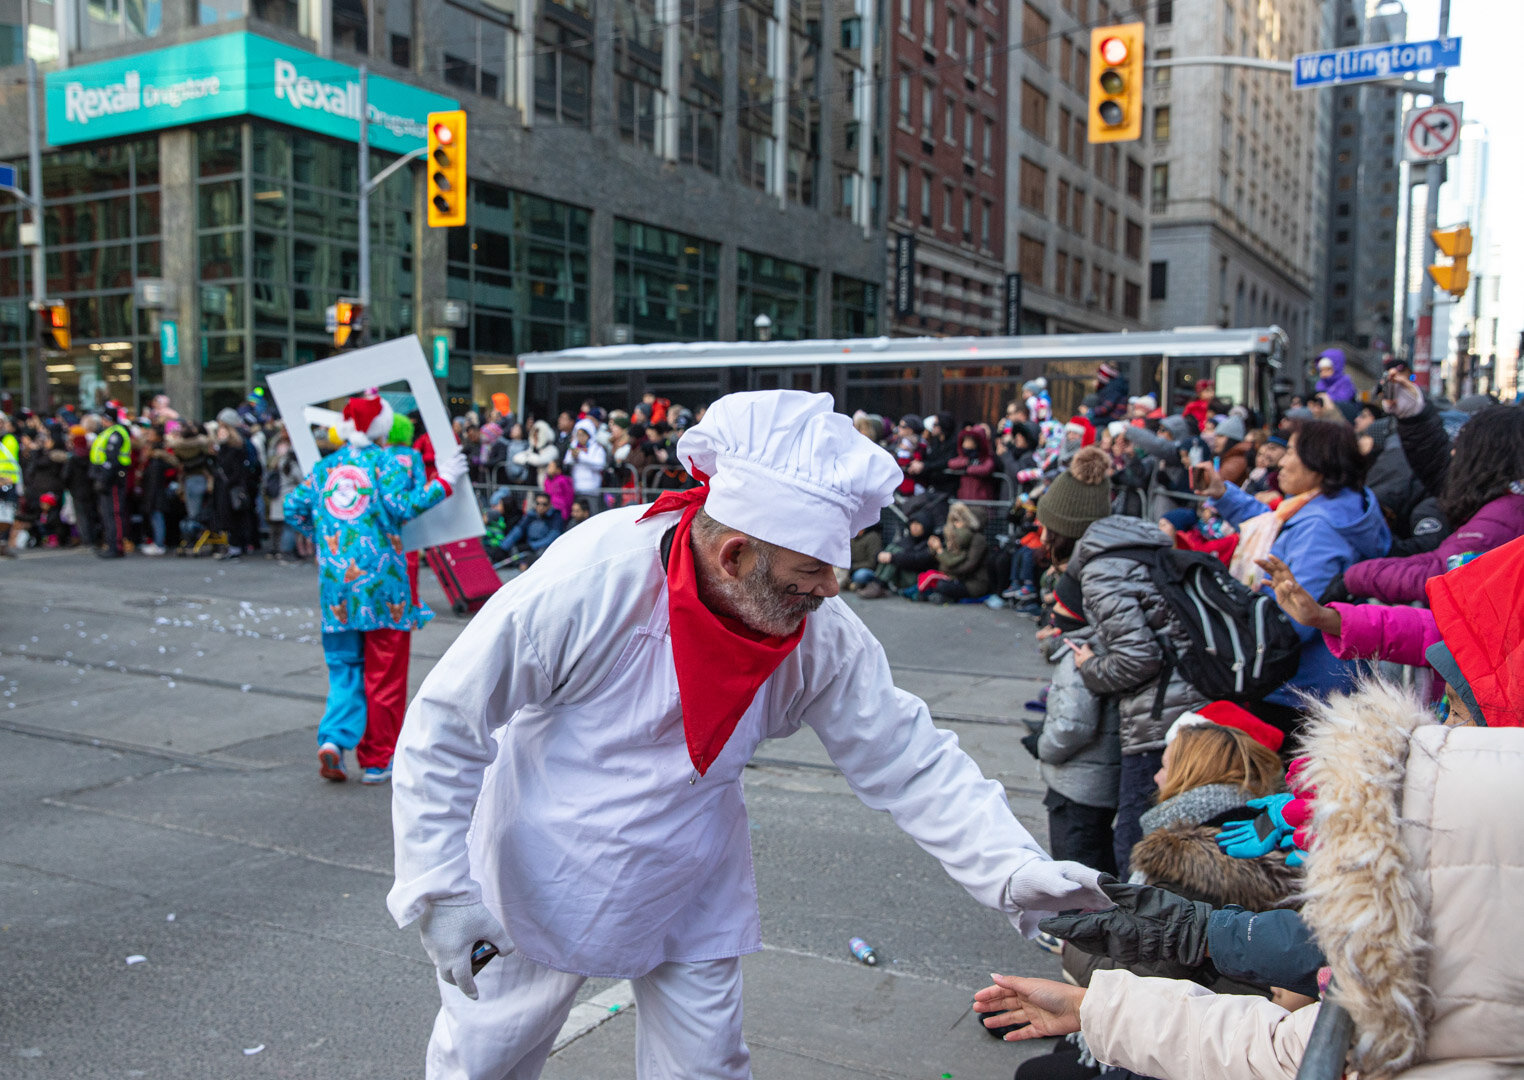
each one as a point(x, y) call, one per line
point(1490, 31)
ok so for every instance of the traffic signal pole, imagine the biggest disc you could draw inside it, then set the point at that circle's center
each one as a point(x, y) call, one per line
point(1434, 176)
point(364, 205)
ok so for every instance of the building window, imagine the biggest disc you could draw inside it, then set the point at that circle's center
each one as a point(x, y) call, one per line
point(784, 291)
point(968, 133)
point(803, 107)
point(905, 15)
point(1076, 279)
point(968, 218)
point(1034, 33)
point(1034, 185)
point(1065, 61)
point(928, 110)
point(399, 31)
point(1034, 110)
point(1164, 12)
point(929, 36)
point(902, 200)
point(666, 284)
point(1079, 141)
point(989, 142)
point(479, 52)
point(854, 308)
point(754, 69)
point(926, 183)
point(521, 261)
point(905, 99)
point(1063, 203)
point(1161, 123)
point(1162, 74)
point(1158, 280)
point(952, 32)
point(950, 119)
point(638, 92)
point(1135, 179)
point(1132, 300)
point(947, 207)
point(1065, 121)
point(563, 69)
point(990, 50)
point(1158, 198)
point(1081, 81)
point(1077, 211)
point(1061, 271)
point(1134, 241)
point(969, 37)
point(350, 24)
point(698, 108)
point(1030, 260)
point(987, 211)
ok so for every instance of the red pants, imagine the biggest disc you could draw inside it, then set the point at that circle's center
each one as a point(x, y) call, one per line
point(386, 656)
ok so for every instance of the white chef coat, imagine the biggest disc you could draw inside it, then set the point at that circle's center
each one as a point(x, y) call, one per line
point(593, 840)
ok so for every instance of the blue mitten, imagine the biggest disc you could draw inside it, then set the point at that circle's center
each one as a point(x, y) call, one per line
point(1242, 839)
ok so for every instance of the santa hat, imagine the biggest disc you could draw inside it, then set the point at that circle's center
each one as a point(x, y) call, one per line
point(1105, 373)
point(367, 420)
point(1081, 427)
point(1227, 714)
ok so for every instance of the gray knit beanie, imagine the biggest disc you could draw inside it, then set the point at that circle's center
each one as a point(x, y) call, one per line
point(1079, 496)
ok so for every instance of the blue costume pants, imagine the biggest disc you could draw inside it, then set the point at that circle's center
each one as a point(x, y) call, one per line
point(343, 720)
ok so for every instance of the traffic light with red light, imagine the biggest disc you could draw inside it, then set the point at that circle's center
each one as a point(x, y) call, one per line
point(447, 168)
point(1116, 83)
point(58, 324)
point(1452, 277)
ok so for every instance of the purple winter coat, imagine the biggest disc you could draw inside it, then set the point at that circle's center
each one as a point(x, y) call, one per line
point(1401, 580)
point(1338, 386)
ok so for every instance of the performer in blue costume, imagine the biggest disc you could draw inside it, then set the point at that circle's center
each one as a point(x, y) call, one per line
point(353, 507)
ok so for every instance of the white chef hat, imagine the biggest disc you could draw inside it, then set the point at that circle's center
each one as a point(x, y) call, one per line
point(785, 467)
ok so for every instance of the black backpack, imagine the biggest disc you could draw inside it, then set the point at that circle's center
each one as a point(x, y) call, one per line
point(1242, 645)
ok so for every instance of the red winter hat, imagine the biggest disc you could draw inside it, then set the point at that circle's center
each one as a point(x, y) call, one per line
point(1105, 373)
point(1227, 714)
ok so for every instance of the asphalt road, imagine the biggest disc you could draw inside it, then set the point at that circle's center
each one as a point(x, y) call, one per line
point(159, 800)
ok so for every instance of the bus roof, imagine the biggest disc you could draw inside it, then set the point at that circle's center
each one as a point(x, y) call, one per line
point(885, 350)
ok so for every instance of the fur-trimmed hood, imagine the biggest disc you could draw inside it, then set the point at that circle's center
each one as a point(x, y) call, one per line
point(1414, 883)
point(1185, 859)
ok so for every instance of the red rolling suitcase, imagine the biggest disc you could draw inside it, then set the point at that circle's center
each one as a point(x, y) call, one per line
point(464, 572)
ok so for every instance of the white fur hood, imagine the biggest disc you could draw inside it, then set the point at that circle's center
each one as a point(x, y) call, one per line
point(1416, 884)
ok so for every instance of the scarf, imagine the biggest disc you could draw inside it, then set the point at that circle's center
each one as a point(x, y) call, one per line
point(1257, 534)
point(721, 663)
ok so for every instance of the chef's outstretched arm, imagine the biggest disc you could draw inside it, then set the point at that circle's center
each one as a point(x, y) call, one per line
point(895, 759)
point(491, 671)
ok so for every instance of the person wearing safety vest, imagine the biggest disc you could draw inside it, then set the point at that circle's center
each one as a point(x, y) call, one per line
point(110, 460)
point(10, 482)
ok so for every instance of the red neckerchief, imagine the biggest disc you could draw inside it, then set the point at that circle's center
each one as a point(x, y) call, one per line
point(721, 663)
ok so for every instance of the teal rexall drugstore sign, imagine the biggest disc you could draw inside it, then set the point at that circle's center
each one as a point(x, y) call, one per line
point(233, 75)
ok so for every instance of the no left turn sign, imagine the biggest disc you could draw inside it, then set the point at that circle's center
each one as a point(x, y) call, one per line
point(1431, 133)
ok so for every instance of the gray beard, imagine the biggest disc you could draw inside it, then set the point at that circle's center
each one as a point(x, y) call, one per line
point(760, 602)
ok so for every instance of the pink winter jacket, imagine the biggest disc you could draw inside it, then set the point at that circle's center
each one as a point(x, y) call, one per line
point(1377, 632)
point(1401, 580)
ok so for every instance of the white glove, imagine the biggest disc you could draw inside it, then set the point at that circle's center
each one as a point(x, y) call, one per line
point(453, 469)
point(450, 933)
point(1406, 400)
point(1045, 885)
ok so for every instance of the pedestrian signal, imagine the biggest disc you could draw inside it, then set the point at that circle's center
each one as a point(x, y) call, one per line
point(1116, 83)
point(447, 168)
point(1453, 277)
point(58, 324)
point(348, 320)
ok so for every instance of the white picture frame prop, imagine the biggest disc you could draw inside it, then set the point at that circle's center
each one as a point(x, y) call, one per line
point(457, 518)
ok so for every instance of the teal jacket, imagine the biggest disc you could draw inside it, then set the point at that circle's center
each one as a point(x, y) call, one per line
point(353, 507)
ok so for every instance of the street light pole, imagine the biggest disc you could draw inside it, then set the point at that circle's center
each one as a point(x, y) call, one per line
point(42, 393)
point(364, 206)
point(1423, 337)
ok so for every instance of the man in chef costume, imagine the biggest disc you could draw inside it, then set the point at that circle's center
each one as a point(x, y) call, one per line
point(597, 714)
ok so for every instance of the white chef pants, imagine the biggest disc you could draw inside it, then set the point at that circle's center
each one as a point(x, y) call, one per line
point(687, 1022)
